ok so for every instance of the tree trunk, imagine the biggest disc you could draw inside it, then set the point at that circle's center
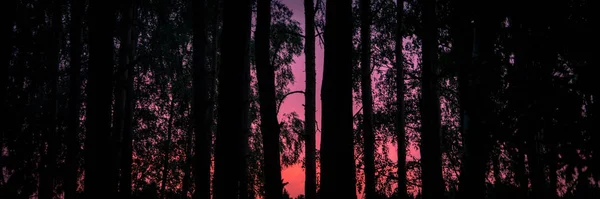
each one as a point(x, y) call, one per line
point(244, 191)
point(400, 123)
point(233, 99)
point(475, 95)
point(266, 88)
point(338, 178)
point(70, 181)
point(185, 187)
point(47, 174)
point(123, 116)
point(167, 149)
point(432, 180)
point(310, 183)
point(7, 52)
point(367, 99)
point(202, 159)
point(99, 146)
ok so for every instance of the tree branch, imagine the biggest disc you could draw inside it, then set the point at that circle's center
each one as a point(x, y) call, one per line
point(285, 96)
point(355, 114)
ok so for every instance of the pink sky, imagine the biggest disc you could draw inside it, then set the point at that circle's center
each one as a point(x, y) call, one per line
point(295, 174)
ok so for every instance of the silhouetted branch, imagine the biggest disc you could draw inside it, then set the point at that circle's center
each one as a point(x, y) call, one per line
point(285, 96)
point(355, 114)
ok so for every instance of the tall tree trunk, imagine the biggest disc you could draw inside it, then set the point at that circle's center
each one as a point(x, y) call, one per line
point(310, 183)
point(400, 114)
point(7, 52)
point(367, 99)
point(47, 174)
point(202, 159)
point(266, 88)
point(536, 167)
point(185, 187)
point(233, 99)
point(123, 116)
point(98, 144)
point(70, 181)
point(167, 148)
point(337, 146)
point(244, 191)
point(520, 172)
point(433, 183)
point(475, 95)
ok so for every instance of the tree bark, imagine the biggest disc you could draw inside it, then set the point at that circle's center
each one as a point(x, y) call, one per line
point(202, 158)
point(47, 173)
point(266, 88)
point(70, 181)
point(167, 149)
point(474, 97)
point(310, 183)
point(123, 117)
point(7, 52)
point(400, 114)
point(338, 178)
point(98, 145)
point(433, 183)
point(367, 99)
point(233, 99)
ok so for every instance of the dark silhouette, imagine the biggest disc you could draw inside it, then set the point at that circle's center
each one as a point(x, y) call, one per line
point(310, 183)
point(77, 9)
point(99, 146)
point(200, 104)
point(124, 96)
point(121, 99)
point(233, 81)
point(400, 109)
point(367, 98)
point(48, 170)
point(337, 155)
point(433, 183)
point(266, 92)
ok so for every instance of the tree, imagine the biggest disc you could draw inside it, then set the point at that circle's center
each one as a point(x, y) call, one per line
point(367, 99)
point(233, 81)
point(124, 96)
point(433, 184)
point(310, 183)
point(99, 144)
point(400, 114)
point(268, 114)
point(202, 160)
point(47, 173)
point(337, 151)
point(75, 33)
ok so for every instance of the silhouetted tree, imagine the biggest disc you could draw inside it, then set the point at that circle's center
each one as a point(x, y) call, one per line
point(233, 80)
point(337, 157)
point(433, 184)
point(310, 183)
point(268, 114)
point(200, 105)
point(77, 9)
point(400, 90)
point(367, 99)
point(99, 146)
point(48, 170)
point(123, 118)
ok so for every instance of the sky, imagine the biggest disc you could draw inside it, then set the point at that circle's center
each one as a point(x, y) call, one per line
point(294, 175)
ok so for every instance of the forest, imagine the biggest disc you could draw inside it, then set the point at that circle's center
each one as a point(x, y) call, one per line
point(300, 99)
